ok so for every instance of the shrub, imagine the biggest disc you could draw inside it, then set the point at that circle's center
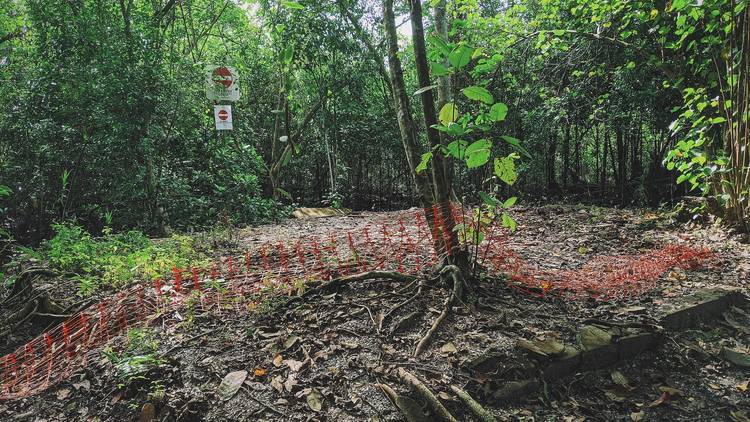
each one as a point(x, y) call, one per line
point(115, 260)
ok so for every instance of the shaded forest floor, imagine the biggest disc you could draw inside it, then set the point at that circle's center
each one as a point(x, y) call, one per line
point(320, 358)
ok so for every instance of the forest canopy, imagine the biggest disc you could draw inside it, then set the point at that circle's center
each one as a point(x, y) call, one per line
point(105, 119)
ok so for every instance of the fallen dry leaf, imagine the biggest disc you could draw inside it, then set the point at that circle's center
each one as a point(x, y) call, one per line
point(736, 356)
point(278, 384)
point(294, 365)
point(739, 416)
point(671, 391)
point(231, 384)
point(445, 396)
point(290, 382)
point(350, 344)
point(277, 360)
point(315, 400)
point(637, 416)
point(449, 349)
point(743, 386)
point(260, 372)
point(290, 341)
point(85, 384)
point(664, 397)
point(619, 379)
point(148, 413)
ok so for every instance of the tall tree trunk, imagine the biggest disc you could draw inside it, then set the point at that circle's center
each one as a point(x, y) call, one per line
point(273, 172)
point(407, 127)
point(441, 180)
point(552, 187)
point(622, 156)
point(566, 157)
point(597, 148)
point(443, 82)
point(605, 158)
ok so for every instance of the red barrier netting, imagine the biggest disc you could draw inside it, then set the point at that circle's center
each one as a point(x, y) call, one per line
point(402, 242)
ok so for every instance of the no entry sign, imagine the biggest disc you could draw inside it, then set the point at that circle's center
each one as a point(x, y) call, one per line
point(222, 83)
point(223, 117)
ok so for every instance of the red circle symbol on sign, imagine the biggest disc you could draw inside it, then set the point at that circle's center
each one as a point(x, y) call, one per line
point(223, 114)
point(223, 76)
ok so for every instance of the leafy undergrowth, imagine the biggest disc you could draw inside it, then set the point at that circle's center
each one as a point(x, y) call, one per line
point(115, 260)
point(320, 358)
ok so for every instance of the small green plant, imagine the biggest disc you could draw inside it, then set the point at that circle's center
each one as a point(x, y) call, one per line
point(139, 356)
point(334, 199)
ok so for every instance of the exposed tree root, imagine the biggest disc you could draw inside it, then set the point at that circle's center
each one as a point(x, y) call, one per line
point(25, 302)
point(19, 317)
point(481, 413)
point(400, 305)
point(370, 275)
point(455, 296)
point(410, 409)
point(438, 410)
point(24, 285)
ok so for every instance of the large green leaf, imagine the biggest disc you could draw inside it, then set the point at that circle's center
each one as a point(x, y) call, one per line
point(292, 5)
point(509, 223)
point(457, 149)
point(478, 153)
point(516, 144)
point(490, 200)
point(288, 54)
point(439, 69)
point(460, 57)
point(448, 114)
point(505, 169)
point(440, 45)
point(498, 112)
point(477, 93)
point(678, 5)
point(286, 157)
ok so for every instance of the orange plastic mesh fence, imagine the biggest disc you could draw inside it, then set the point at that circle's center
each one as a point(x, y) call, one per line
point(402, 242)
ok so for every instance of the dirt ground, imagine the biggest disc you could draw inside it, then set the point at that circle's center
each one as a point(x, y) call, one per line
point(321, 358)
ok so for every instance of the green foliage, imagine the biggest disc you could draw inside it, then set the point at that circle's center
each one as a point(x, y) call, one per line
point(116, 260)
point(139, 356)
point(478, 93)
point(108, 102)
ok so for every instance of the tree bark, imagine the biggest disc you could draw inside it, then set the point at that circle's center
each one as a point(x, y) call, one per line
point(407, 127)
point(443, 82)
point(566, 157)
point(441, 180)
point(621, 163)
point(552, 187)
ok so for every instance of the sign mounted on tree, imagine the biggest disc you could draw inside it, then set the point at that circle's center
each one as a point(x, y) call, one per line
point(222, 83)
point(223, 117)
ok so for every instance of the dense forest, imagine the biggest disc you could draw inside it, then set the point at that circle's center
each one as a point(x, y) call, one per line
point(106, 121)
point(374, 210)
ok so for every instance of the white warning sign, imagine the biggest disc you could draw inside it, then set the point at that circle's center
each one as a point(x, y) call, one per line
point(222, 83)
point(223, 117)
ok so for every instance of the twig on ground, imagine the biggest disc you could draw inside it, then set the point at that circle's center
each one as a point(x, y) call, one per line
point(476, 408)
point(264, 404)
point(410, 409)
point(400, 305)
point(449, 302)
point(370, 275)
point(438, 410)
